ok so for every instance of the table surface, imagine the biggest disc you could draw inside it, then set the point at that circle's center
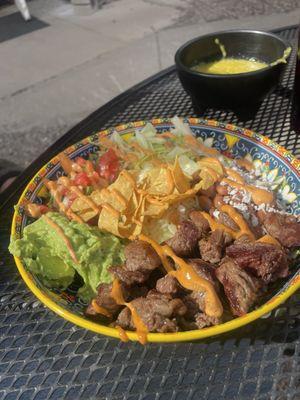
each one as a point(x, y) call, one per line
point(43, 356)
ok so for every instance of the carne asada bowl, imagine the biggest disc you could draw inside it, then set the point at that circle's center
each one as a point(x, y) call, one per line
point(167, 230)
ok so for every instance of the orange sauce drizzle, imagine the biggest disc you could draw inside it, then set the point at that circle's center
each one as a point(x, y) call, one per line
point(52, 186)
point(33, 210)
point(269, 239)
point(66, 182)
point(234, 175)
point(111, 210)
point(242, 162)
point(100, 310)
point(119, 196)
point(217, 225)
point(61, 233)
point(187, 277)
point(239, 220)
point(122, 334)
point(259, 196)
point(141, 329)
point(159, 250)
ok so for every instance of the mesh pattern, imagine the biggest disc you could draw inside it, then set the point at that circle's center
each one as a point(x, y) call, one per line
point(44, 357)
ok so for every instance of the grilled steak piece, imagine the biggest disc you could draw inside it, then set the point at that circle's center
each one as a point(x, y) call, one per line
point(168, 285)
point(263, 260)
point(105, 300)
point(284, 228)
point(129, 277)
point(212, 248)
point(241, 289)
point(157, 311)
point(140, 256)
point(203, 320)
point(124, 319)
point(200, 222)
point(184, 242)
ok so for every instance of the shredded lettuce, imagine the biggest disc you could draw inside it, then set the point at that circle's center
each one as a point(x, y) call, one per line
point(180, 128)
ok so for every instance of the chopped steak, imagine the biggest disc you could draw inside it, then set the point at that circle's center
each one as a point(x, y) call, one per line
point(129, 277)
point(212, 248)
point(202, 320)
point(124, 319)
point(264, 260)
point(184, 242)
point(200, 222)
point(191, 305)
point(168, 285)
point(284, 228)
point(203, 269)
point(241, 289)
point(158, 312)
point(104, 299)
point(140, 256)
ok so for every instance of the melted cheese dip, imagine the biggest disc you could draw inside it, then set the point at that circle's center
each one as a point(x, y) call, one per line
point(229, 66)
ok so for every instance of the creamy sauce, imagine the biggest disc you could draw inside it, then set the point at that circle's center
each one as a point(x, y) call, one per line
point(66, 182)
point(52, 186)
point(234, 175)
point(269, 239)
point(33, 210)
point(259, 196)
point(65, 239)
point(187, 277)
point(122, 334)
point(141, 328)
point(239, 220)
point(230, 66)
point(100, 310)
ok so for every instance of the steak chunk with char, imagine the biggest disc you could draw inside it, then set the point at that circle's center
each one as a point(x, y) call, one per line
point(201, 223)
point(284, 228)
point(105, 300)
point(168, 285)
point(140, 256)
point(241, 289)
point(263, 260)
point(157, 311)
point(129, 277)
point(212, 248)
point(184, 242)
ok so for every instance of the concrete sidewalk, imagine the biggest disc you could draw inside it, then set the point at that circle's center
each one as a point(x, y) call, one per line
point(55, 76)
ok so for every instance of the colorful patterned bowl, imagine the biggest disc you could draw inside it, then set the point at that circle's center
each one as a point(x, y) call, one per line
point(278, 165)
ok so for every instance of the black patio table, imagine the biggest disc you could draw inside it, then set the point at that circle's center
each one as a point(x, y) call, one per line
point(42, 356)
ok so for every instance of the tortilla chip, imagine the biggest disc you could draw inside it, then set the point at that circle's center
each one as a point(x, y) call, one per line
point(212, 163)
point(180, 180)
point(109, 221)
point(160, 182)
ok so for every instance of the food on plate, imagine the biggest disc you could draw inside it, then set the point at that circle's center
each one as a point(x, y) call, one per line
point(54, 248)
point(166, 234)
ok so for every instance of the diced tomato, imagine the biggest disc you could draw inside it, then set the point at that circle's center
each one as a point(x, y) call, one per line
point(109, 165)
point(81, 179)
point(80, 161)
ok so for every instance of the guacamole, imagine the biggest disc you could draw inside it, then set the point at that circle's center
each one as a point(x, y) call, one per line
point(53, 248)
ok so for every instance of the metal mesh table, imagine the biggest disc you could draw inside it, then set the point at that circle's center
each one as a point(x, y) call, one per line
point(44, 357)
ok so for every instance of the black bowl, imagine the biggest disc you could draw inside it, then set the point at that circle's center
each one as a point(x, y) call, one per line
point(234, 90)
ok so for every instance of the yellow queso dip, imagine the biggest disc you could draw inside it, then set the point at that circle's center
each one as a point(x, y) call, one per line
point(229, 66)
